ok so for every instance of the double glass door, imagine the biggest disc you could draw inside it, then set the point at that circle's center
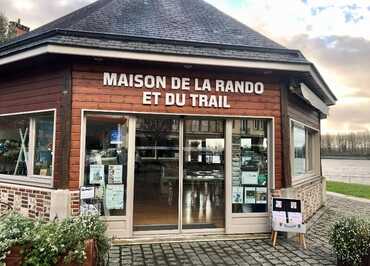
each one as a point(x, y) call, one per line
point(179, 174)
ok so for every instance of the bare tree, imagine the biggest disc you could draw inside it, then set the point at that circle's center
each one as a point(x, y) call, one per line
point(3, 28)
point(349, 144)
point(7, 30)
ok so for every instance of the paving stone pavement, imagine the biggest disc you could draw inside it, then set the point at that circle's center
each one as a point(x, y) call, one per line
point(245, 252)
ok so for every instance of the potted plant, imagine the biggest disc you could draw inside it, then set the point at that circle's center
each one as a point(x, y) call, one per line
point(350, 238)
point(73, 241)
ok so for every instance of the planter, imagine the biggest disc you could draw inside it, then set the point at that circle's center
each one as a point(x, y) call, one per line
point(91, 255)
point(14, 258)
point(364, 262)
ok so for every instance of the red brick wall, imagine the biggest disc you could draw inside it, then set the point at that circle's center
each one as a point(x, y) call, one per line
point(29, 201)
point(88, 92)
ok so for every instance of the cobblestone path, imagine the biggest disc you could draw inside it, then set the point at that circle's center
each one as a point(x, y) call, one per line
point(245, 252)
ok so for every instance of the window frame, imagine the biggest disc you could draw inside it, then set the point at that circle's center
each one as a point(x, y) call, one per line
point(314, 155)
point(31, 178)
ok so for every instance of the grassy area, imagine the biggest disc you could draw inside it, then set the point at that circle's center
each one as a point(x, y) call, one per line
point(355, 190)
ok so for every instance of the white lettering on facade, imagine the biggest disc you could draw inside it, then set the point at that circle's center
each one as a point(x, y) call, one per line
point(206, 86)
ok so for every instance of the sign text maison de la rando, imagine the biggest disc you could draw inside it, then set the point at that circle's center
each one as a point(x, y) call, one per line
point(171, 91)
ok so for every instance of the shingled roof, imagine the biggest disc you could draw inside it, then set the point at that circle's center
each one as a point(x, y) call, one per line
point(191, 21)
point(180, 27)
point(185, 20)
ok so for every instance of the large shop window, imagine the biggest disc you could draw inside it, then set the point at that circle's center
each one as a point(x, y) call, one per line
point(303, 151)
point(249, 166)
point(105, 178)
point(26, 145)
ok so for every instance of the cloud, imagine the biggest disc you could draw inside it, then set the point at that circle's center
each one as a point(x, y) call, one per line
point(36, 13)
point(349, 117)
point(315, 18)
point(343, 61)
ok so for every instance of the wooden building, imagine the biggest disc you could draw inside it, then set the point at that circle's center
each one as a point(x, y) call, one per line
point(165, 117)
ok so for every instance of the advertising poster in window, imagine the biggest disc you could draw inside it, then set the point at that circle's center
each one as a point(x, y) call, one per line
point(115, 174)
point(249, 178)
point(116, 136)
point(250, 195)
point(238, 195)
point(96, 173)
point(114, 195)
point(261, 195)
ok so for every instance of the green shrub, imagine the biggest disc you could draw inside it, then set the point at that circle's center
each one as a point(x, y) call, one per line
point(14, 229)
point(45, 243)
point(350, 238)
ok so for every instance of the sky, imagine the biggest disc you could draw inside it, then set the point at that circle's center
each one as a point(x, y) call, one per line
point(333, 34)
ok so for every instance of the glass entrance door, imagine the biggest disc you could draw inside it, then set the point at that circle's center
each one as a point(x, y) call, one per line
point(158, 188)
point(156, 182)
point(203, 200)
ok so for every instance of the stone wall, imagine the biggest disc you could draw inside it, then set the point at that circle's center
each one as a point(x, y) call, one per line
point(29, 201)
point(312, 194)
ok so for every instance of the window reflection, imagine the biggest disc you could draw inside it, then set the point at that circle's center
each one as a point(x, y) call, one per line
point(44, 145)
point(14, 139)
point(156, 174)
point(249, 166)
point(299, 135)
point(204, 163)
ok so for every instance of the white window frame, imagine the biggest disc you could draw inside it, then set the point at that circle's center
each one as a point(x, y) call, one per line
point(315, 156)
point(31, 178)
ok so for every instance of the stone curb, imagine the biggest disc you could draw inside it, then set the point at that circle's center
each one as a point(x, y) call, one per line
point(347, 197)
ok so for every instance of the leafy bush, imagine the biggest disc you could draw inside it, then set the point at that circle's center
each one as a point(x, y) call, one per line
point(14, 229)
point(350, 238)
point(46, 243)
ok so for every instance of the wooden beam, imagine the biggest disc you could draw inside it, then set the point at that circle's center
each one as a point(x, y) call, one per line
point(65, 116)
point(287, 176)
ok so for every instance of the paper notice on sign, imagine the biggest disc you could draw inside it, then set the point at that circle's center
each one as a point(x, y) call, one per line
point(249, 178)
point(114, 195)
point(87, 193)
point(278, 217)
point(115, 174)
point(96, 174)
point(295, 218)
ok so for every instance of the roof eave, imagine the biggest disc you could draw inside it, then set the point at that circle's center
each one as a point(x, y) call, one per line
point(50, 48)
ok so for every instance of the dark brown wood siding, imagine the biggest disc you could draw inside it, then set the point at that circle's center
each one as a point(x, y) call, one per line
point(89, 93)
point(37, 89)
point(301, 111)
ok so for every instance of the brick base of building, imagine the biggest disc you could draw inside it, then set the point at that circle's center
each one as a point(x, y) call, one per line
point(29, 201)
point(311, 193)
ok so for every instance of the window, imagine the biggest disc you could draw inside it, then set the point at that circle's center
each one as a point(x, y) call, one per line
point(26, 145)
point(249, 166)
point(304, 140)
point(105, 175)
